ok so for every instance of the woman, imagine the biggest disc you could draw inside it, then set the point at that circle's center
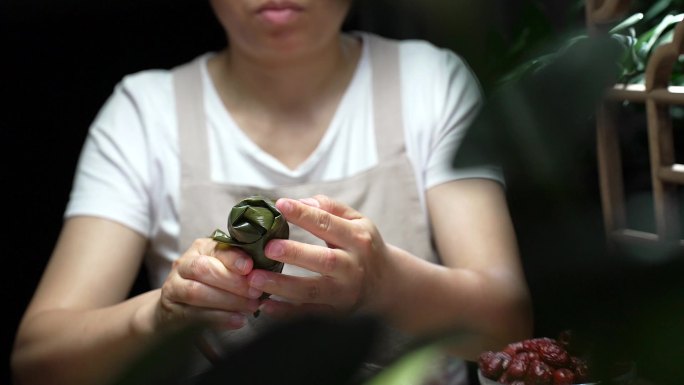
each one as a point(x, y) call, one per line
point(354, 131)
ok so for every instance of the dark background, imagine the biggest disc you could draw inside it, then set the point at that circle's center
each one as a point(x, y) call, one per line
point(61, 60)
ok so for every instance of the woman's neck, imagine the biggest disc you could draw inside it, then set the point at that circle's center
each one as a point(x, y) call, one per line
point(285, 105)
point(285, 83)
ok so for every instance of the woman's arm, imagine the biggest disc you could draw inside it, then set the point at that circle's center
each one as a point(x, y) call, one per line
point(480, 291)
point(76, 328)
point(81, 329)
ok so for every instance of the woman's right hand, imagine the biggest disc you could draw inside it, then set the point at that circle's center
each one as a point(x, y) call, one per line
point(208, 284)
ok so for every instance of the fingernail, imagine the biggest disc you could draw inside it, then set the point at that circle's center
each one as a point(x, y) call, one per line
point(254, 293)
point(285, 205)
point(274, 249)
point(310, 202)
point(241, 263)
point(257, 281)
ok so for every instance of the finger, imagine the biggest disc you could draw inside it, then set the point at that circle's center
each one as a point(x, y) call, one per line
point(332, 206)
point(212, 272)
point(233, 258)
point(215, 318)
point(292, 288)
point(220, 319)
point(320, 259)
point(283, 309)
point(198, 294)
point(328, 227)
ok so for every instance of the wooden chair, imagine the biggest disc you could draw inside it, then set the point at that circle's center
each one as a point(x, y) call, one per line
point(658, 96)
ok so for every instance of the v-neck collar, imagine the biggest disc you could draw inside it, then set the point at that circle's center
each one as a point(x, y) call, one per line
point(224, 119)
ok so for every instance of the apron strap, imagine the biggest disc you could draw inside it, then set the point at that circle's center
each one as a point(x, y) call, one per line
point(192, 132)
point(387, 100)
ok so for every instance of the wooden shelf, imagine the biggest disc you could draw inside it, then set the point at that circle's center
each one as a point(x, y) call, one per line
point(637, 93)
point(657, 96)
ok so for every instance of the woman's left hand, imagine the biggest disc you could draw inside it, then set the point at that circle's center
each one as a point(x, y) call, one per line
point(351, 267)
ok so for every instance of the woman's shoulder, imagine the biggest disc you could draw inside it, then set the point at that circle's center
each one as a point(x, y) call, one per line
point(146, 89)
point(139, 105)
point(153, 82)
point(147, 79)
point(431, 71)
point(427, 57)
point(417, 49)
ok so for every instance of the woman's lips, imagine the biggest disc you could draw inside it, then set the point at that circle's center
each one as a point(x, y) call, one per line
point(279, 13)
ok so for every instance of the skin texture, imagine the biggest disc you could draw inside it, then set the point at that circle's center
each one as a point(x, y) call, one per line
point(293, 73)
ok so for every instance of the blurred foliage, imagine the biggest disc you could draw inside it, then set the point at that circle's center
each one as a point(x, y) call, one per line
point(520, 46)
point(503, 40)
point(643, 32)
point(305, 350)
point(413, 368)
point(538, 123)
point(535, 122)
point(640, 33)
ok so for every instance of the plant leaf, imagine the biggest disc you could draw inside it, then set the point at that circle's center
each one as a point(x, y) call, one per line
point(628, 22)
point(657, 8)
point(410, 369)
point(667, 22)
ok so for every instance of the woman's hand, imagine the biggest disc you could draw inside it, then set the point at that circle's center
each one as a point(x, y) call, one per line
point(208, 283)
point(478, 291)
point(351, 267)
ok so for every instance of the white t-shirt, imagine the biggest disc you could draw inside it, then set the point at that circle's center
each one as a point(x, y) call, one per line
point(129, 169)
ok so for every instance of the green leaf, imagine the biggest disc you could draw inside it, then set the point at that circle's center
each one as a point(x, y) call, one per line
point(628, 22)
point(667, 22)
point(410, 369)
point(657, 8)
point(533, 65)
point(640, 50)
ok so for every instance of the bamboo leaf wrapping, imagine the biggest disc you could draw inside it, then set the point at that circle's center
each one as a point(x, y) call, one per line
point(253, 222)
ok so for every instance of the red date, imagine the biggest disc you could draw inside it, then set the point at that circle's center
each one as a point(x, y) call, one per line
point(527, 356)
point(554, 355)
point(563, 376)
point(538, 373)
point(493, 364)
point(513, 348)
point(532, 345)
point(516, 370)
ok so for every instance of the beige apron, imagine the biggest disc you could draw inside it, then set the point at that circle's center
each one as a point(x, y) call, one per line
point(387, 193)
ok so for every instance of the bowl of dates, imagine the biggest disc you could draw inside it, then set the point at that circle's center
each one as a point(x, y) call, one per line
point(539, 361)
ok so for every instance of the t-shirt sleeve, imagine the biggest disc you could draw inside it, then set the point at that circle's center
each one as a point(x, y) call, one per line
point(111, 179)
point(458, 98)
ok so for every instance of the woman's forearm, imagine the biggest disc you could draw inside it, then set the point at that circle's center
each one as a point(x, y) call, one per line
point(71, 346)
point(481, 310)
